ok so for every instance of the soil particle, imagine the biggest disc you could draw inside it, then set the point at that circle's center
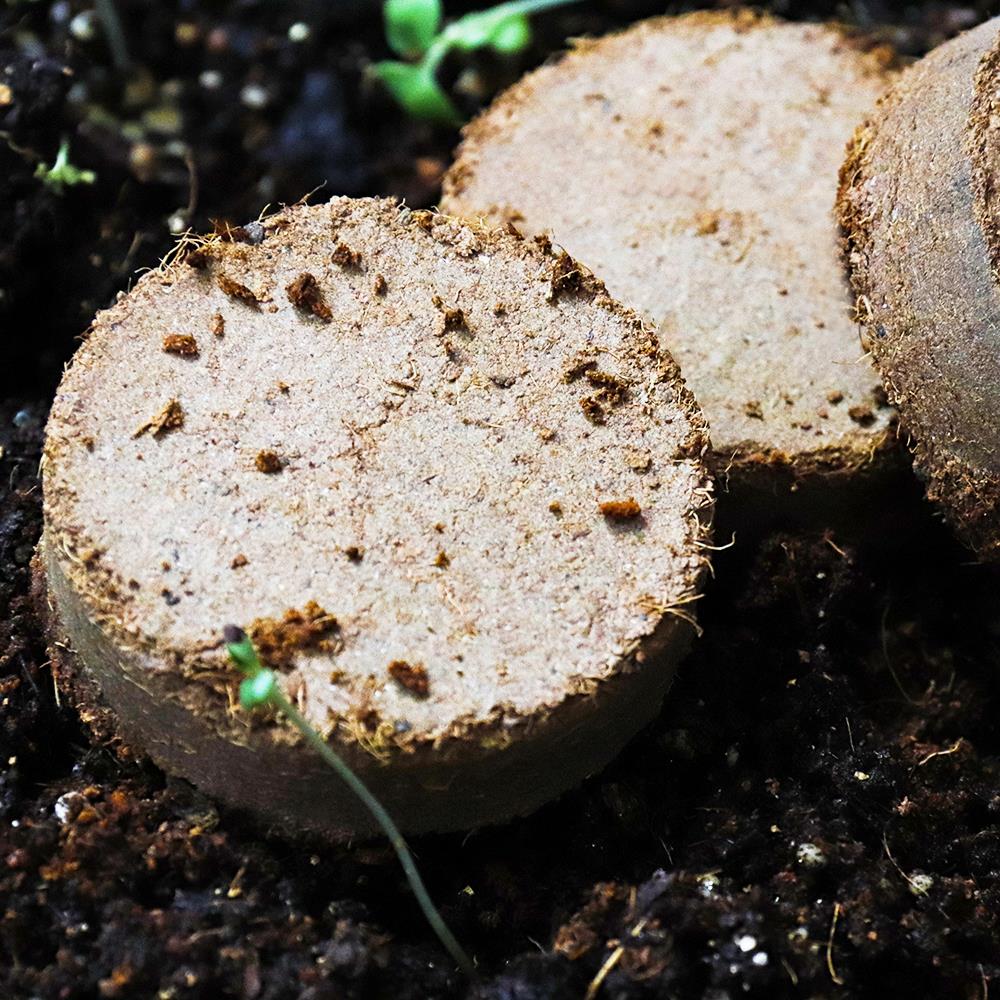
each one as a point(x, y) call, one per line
point(345, 257)
point(268, 462)
point(304, 293)
point(182, 344)
point(170, 418)
point(593, 410)
point(218, 325)
point(862, 415)
point(279, 640)
point(411, 676)
point(620, 510)
point(237, 290)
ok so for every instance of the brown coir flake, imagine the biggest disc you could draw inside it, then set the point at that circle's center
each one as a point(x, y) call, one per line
point(304, 293)
point(279, 639)
point(168, 419)
point(620, 510)
point(344, 256)
point(236, 290)
point(182, 344)
point(412, 677)
point(267, 462)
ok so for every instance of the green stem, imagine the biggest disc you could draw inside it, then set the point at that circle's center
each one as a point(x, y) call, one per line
point(515, 7)
point(384, 820)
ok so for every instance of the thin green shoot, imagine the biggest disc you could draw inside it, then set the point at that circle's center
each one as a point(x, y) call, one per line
point(62, 173)
point(414, 31)
point(260, 687)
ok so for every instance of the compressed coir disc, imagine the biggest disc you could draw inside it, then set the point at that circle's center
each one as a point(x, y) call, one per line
point(920, 210)
point(452, 490)
point(692, 163)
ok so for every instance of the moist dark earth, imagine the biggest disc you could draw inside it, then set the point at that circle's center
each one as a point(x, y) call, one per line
point(815, 813)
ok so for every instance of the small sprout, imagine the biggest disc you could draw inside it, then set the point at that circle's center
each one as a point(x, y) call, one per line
point(411, 25)
point(413, 31)
point(62, 174)
point(417, 92)
point(260, 687)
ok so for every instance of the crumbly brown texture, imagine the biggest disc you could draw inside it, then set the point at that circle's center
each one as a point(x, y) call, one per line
point(280, 640)
point(305, 293)
point(170, 418)
point(412, 677)
point(545, 651)
point(230, 286)
point(267, 461)
point(918, 205)
point(620, 510)
point(181, 343)
point(344, 256)
point(692, 163)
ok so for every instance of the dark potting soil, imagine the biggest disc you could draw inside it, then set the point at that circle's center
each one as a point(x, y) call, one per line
point(815, 813)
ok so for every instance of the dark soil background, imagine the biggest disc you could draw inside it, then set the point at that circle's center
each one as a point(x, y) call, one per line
point(817, 811)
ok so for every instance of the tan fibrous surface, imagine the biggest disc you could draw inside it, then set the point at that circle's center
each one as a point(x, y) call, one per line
point(542, 643)
point(918, 206)
point(692, 163)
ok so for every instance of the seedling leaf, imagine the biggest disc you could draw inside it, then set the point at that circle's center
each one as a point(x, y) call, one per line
point(62, 173)
point(512, 35)
point(418, 92)
point(411, 25)
point(413, 30)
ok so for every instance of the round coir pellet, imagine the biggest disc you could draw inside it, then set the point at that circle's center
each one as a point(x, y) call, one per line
point(692, 163)
point(919, 204)
point(452, 490)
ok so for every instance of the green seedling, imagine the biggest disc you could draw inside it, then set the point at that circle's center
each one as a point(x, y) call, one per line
point(62, 174)
point(414, 31)
point(260, 688)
